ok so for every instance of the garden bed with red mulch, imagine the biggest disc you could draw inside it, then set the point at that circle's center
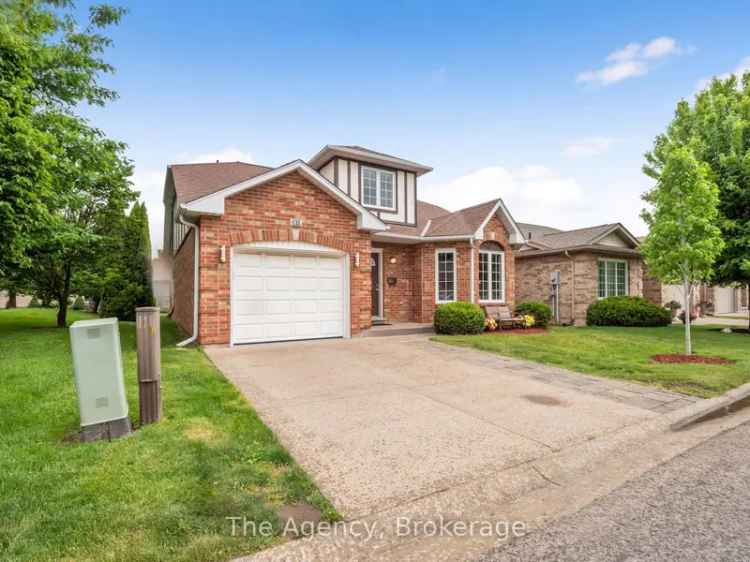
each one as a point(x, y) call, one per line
point(523, 331)
point(682, 358)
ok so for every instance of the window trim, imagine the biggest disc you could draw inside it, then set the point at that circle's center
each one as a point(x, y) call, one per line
point(606, 283)
point(489, 254)
point(378, 194)
point(452, 251)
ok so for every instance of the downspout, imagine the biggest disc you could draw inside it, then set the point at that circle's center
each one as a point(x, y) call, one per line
point(196, 280)
point(471, 275)
point(572, 288)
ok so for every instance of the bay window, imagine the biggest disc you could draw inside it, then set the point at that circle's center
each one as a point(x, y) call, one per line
point(491, 272)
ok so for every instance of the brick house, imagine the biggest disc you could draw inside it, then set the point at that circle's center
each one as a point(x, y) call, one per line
point(585, 265)
point(324, 248)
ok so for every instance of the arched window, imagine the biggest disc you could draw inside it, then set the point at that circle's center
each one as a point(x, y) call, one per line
point(491, 272)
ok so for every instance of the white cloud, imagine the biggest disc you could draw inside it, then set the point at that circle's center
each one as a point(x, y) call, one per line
point(590, 146)
point(628, 52)
point(150, 182)
point(532, 193)
point(739, 70)
point(634, 59)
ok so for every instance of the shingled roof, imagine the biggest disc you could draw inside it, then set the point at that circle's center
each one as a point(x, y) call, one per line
point(546, 239)
point(192, 181)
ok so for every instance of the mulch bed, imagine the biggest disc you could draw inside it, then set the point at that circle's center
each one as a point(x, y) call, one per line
point(520, 331)
point(682, 358)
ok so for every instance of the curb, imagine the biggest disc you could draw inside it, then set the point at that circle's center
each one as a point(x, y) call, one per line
point(714, 407)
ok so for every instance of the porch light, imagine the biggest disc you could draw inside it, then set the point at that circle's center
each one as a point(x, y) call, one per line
point(223, 254)
point(393, 260)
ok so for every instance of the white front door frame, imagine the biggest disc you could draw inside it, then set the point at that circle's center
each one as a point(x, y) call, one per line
point(381, 311)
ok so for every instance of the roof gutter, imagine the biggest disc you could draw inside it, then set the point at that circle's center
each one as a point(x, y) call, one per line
point(196, 279)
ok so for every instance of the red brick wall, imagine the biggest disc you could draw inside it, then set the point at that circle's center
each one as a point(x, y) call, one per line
point(184, 276)
point(399, 300)
point(263, 213)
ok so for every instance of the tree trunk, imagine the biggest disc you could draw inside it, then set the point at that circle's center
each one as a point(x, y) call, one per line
point(688, 342)
point(62, 301)
point(12, 303)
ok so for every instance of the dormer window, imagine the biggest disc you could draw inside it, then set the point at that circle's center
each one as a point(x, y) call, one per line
point(377, 188)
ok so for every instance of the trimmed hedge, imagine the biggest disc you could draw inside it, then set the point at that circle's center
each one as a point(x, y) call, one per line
point(456, 318)
point(541, 312)
point(627, 311)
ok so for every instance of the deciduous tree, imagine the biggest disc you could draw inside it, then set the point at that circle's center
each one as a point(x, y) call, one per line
point(717, 128)
point(683, 240)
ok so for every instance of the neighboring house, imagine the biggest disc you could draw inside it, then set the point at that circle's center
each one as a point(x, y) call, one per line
point(590, 263)
point(707, 299)
point(161, 280)
point(325, 248)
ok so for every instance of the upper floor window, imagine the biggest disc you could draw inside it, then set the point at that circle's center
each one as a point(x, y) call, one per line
point(613, 278)
point(491, 272)
point(377, 188)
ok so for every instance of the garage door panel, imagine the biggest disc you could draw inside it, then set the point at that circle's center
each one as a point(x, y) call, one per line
point(325, 306)
point(283, 297)
point(248, 307)
point(305, 306)
point(305, 262)
point(249, 332)
point(331, 327)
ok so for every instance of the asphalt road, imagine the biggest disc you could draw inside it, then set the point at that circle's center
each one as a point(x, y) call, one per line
point(694, 508)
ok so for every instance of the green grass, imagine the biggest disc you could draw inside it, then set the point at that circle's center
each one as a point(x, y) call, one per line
point(625, 353)
point(162, 494)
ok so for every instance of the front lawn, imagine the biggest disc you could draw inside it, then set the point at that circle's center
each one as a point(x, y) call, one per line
point(625, 353)
point(162, 494)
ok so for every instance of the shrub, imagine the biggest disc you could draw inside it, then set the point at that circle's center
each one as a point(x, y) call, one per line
point(34, 303)
point(541, 312)
point(627, 311)
point(79, 304)
point(459, 318)
point(123, 299)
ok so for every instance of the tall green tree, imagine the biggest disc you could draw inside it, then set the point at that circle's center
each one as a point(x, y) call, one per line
point(683, 240)
point(92, 190)
point(717, 128)
point(25, 150)
point(60, 179)
point(129, 284)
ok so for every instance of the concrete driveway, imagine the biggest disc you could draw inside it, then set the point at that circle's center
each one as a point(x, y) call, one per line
point(379, 422)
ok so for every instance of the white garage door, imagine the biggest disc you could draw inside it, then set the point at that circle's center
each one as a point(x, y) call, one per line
point(277, 297)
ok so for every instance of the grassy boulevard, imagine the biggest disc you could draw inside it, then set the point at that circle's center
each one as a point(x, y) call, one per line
point(625, 353)
point(162, 494)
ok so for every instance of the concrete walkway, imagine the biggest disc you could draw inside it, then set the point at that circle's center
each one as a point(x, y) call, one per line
point(382, 423)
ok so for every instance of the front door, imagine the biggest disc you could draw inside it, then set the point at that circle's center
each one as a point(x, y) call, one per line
point(376, 268)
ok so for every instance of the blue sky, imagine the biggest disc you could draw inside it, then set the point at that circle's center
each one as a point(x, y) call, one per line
point(548, 104)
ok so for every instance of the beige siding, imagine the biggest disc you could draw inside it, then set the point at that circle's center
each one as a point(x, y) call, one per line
point(411, 198)
point(614, 239)
point(343, 175)
point(355, 181)
point(327, 171)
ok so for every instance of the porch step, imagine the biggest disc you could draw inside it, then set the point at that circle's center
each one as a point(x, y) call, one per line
point(397, 330)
